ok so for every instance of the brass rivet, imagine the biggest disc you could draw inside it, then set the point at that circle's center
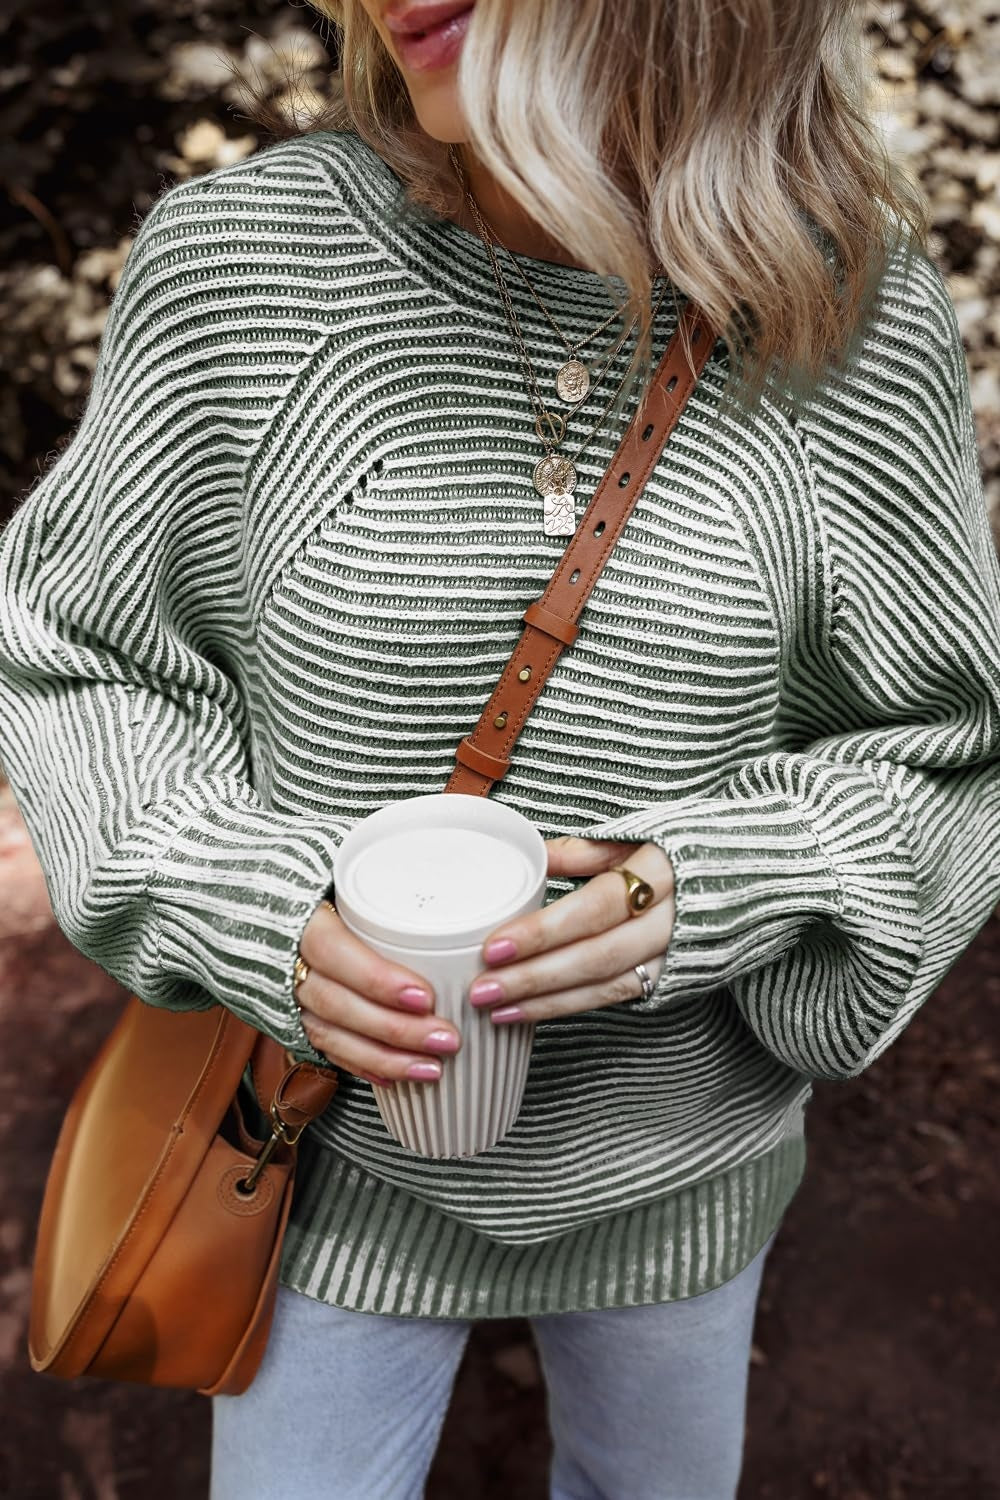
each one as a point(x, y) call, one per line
point(500, 720)
point(524, 674)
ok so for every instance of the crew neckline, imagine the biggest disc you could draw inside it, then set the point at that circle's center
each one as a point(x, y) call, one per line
point(454, 260)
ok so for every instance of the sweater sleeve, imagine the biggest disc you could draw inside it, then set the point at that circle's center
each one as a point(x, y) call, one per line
point(831, 885)
point(125, 735)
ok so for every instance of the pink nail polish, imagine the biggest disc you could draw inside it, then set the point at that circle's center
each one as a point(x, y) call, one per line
point(412, 998)
point(441, 1041)
point(425, 1072)
point(507, 1013)
point(485, 991)
point(499, 950)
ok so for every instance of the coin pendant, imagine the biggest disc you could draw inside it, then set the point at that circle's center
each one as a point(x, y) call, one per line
point(573, 380)
point(555, 474)
point(559, 513)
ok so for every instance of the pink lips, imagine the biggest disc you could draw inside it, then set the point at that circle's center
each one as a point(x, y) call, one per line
point(429, 36)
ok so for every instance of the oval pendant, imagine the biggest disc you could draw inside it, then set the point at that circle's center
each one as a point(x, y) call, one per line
point(573, 380)
point(555, 475)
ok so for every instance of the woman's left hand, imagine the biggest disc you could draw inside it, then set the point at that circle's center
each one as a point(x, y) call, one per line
point(579, 952)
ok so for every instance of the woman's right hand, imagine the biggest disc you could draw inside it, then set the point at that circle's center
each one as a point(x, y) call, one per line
point(364, 1012)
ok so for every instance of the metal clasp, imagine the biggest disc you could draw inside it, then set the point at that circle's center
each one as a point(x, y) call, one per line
point(280, 1134)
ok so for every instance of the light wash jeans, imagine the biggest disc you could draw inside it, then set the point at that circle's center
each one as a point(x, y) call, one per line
point(644, 1403)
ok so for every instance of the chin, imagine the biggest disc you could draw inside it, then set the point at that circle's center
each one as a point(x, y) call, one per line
point(438, 113)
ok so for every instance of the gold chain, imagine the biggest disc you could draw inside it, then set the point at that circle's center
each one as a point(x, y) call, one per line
point(571, 348)
point(555, 475)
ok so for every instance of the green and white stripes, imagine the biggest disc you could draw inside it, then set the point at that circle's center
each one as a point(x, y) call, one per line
point(271, 583)
point(387, 1253)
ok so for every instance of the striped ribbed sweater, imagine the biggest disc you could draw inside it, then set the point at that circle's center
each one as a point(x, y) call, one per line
point(271, 582)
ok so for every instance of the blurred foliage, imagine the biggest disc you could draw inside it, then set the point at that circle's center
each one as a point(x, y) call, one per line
point(96, 102)
point(104, 103)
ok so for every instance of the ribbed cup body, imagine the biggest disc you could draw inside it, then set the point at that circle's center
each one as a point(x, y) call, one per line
point(478, 1096)
point(425, 881)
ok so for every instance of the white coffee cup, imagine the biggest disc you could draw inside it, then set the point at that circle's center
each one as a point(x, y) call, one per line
point(424, 881)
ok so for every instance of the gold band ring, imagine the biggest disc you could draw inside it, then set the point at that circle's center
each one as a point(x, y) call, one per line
point(640, 892)
point(301, 968)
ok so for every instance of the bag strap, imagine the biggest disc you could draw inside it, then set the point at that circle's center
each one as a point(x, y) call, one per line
point(550, 621)
point(550, 624)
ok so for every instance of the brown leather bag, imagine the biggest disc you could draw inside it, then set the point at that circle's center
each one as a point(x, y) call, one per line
point(159, 1241)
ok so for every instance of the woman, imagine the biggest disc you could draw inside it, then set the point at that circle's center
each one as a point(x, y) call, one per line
point(274, 577)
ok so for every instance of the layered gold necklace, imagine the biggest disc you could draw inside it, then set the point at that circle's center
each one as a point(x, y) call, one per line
point(555, 474)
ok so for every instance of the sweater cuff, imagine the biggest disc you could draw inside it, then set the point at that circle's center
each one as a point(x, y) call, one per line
point(231, 893)
point(803, 874)
point(749, 878)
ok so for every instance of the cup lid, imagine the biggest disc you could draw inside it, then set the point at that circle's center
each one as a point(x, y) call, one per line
point(439, 871)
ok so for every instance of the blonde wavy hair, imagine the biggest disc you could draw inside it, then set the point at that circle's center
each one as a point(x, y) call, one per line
point(728, 141)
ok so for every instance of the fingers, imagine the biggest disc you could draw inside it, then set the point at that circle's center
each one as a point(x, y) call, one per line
point(330, 947)
point(594, 908)
point(611, 991)
point(568, 855)
point(351, 1000)
point(371, 1035)
point(360, 1054)
point(599, 969)
point(375, 1017)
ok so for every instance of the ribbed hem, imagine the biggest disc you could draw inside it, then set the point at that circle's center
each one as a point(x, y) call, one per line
point(357, 1242)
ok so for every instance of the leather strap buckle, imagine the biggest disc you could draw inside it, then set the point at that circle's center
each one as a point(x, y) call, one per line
point(546, 619)
point(479, 760)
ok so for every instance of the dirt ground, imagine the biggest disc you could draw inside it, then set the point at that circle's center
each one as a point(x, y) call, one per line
point(875, 1372)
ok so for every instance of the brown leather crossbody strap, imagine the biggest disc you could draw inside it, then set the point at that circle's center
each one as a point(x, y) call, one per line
point(299, 1091)
point(550, 621)
point(550, 624)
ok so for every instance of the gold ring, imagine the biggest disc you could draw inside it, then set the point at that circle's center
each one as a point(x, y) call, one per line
point(300, 971)
point(640, 892)
point(329, 904)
